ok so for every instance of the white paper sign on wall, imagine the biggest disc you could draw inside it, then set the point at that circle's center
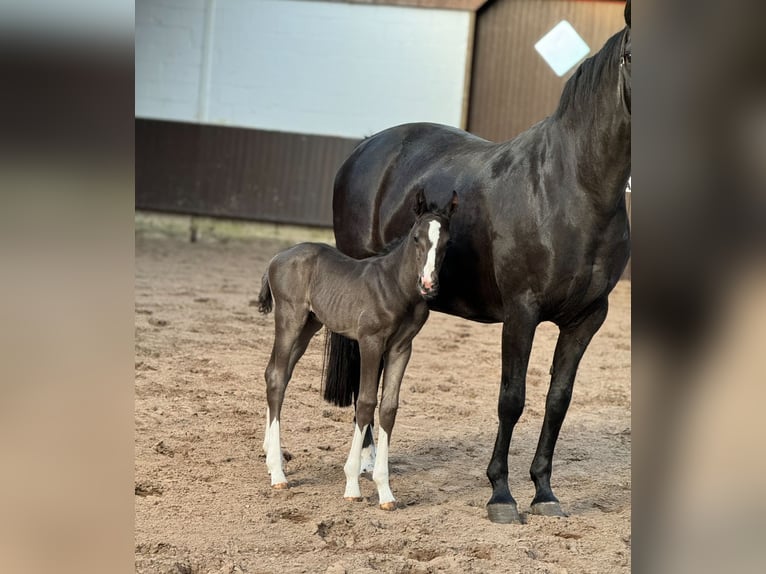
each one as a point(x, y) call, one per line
point(562, 48)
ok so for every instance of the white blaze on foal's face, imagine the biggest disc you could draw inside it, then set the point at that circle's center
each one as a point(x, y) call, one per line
point(434, 229)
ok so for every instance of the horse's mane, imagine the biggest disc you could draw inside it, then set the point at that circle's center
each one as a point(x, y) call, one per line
point(591, 77)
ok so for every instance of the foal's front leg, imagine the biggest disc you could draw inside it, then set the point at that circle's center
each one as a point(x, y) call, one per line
point(370, 351)
point(396, 363)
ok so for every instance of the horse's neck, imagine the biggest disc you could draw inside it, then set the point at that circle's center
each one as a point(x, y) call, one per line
point(603, 161)
point(597, 126)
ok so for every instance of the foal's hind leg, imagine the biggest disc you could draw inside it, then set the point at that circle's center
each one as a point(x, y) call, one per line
point(369, 451)
point(570, 347)
point(294, 328)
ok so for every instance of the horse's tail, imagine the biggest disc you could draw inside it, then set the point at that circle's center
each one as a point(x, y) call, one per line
point(265, 299)
point(341, 369)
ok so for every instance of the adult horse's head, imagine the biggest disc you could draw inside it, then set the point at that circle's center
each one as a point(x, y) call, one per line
point(625, 62)
point(429, 237)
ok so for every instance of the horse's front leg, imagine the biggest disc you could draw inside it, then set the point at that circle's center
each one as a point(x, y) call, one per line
point(572, 342)
point(396, 363)
point(370, 350)
point(518, 333)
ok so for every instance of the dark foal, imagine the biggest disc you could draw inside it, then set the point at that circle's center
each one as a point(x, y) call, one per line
point(379, 302)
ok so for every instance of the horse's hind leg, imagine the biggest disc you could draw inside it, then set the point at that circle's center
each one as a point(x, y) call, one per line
point(570, 347)
point(396, 363)
point(294, 327)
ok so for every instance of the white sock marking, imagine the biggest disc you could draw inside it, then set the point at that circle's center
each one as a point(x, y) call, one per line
point(380, 474)
point(274, 454)
point(266, 432)
point(433, 237)
point(354, 463)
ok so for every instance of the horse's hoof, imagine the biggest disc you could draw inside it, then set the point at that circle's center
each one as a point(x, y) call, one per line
point(388, 505)
point(354, 498)
point(548, 509)
point(280, 486)
point(503, 514)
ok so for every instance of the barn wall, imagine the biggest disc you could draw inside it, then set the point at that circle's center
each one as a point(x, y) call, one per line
point(237, 172)
point(191, 54)
point(512, 87)
point(322, 68)
point(169, 40)
point(246, 108)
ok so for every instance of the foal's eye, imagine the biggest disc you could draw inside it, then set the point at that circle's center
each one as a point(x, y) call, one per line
point(415, 239)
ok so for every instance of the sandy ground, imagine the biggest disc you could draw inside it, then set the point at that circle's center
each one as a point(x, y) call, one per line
point(203, 501)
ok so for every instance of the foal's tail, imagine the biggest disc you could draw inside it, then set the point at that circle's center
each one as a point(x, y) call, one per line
point(341, 368)
point(265, 300)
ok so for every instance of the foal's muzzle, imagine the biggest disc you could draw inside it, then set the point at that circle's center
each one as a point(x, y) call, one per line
point(428, 292)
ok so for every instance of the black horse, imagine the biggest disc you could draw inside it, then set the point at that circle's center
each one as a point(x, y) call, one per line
point(542, 235)
point(379, 302)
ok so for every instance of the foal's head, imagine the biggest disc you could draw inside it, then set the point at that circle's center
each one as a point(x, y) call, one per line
point(429, 237)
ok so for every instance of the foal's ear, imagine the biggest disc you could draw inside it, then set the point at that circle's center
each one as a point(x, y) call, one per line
point(420, 206)
point(627, 13)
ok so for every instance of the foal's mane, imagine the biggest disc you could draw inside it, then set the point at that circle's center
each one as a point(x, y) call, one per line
point(598, 72)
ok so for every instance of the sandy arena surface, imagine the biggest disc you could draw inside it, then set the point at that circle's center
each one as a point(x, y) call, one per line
point(203, 501)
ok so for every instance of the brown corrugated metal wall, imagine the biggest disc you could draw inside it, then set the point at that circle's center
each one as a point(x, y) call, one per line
point(237, 172)
point(511, 86)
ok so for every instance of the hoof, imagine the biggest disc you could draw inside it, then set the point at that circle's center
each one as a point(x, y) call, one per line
point(354, 498)
point(503, 514)
point(548, 509)
point(388, 505)
point(280, 486)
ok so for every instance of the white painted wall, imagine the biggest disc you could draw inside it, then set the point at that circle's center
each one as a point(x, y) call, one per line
point(169, 44)
point(308, 67)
